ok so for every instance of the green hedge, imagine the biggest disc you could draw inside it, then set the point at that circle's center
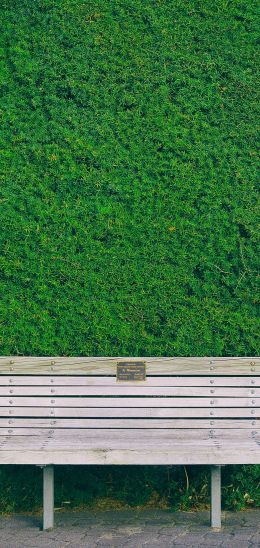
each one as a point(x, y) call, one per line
point(128, 177)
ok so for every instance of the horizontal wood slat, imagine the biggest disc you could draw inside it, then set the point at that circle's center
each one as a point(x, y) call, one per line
point(176, 391)
point(112, 437)
point(127, 423)
point(105, 412)
point(107, 366)
point(41, 380)
point(128, 402)
point(180, 454)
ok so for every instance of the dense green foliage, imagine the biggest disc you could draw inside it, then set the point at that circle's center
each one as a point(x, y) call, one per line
point(103, 487)
point(128, 178)
point(128, 220)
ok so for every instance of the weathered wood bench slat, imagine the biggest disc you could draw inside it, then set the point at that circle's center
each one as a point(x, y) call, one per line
point(52, 423)
point(129, 446)
point(152, 456)
point(129, 402)
point(129, 412)
point(107, 366)
point(56, 453)
point(213, 446)
point(46, 380)
point(178, 391)
point(112, 435)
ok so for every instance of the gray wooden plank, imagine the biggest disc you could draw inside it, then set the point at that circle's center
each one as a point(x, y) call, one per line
point(128, 402)
point(115, 437)
point(107, 365)
point(53, 423)
point(15, 443)
point(170, 391)
point(66, 380)
point(179, 455)
point(154, 412)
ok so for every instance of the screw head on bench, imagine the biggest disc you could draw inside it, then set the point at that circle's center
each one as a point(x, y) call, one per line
point(252, 411)
point(211, 381)
point(10, 401)
point(252, 381)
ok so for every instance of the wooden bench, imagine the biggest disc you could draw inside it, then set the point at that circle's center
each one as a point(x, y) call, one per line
point(143, 411)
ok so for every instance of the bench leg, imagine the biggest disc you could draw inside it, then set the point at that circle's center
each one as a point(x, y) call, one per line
point(48, 498)
point(216, 497)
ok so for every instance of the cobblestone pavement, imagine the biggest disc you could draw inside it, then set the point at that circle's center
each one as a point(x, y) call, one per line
point(149, 528)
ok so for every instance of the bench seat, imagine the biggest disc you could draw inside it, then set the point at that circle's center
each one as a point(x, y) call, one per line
point(129, 446)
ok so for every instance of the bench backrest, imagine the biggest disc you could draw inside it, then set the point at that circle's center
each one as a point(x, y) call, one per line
point(75, 410)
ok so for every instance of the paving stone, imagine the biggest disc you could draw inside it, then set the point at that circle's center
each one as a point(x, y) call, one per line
point(256, 539)
point(211, 541)
point(231, 544)
point(113, 542)
point(162, 541)
point(182, 545)
point(132, 529)
point(176, 528)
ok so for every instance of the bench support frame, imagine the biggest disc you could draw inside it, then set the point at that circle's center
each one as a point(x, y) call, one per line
point(48, 498)
point(216, 497)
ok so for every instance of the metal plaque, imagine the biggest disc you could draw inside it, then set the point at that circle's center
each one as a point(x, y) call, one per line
point(131, 371)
